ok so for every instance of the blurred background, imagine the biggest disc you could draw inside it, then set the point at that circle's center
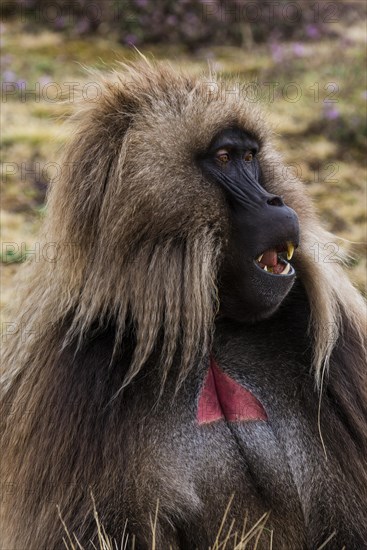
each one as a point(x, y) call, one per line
point(303, 60)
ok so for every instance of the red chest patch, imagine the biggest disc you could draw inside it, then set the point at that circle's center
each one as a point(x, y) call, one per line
point(222, 398)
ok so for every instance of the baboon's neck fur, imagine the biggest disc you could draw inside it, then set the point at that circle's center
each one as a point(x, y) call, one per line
point(141, 235)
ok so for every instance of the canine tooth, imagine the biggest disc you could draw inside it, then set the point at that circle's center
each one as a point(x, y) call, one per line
point(290, 250)
point(265, 268)
point(260, 258)
point(286, 269)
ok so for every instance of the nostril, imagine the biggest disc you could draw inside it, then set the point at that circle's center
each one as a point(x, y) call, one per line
point(275, 201)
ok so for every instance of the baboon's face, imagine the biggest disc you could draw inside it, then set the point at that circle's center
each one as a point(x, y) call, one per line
point(255, 275)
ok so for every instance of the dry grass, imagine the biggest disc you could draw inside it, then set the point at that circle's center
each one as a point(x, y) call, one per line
point(226, 538)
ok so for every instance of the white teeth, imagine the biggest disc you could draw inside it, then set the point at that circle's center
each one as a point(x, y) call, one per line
point(286, 269)
point(265, 268)
point(260, 257)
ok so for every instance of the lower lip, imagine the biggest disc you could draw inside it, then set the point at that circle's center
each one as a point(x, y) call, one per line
point(290, 273)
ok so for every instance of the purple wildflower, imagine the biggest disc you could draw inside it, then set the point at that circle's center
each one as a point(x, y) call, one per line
point(299, 49)
point(276, 52)
point(9, 76)
point(312, 31)
point(21, 83)
point(83, 25)
point(331, 112)
point(59, 22)
point(131, 39)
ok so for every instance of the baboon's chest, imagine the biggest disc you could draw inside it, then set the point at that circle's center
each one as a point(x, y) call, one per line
point(220, 450)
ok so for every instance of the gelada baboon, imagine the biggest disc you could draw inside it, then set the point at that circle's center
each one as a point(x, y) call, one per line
point(187, 360)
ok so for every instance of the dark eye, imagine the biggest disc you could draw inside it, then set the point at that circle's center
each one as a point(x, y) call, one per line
point(248, 156)
point(222, 156)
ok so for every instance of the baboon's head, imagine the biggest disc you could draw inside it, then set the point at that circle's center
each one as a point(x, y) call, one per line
point(179, 209)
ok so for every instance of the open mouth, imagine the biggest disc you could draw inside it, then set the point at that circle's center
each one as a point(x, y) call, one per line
point(275, 261)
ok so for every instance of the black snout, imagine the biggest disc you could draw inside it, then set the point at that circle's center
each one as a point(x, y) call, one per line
point(271, 224)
